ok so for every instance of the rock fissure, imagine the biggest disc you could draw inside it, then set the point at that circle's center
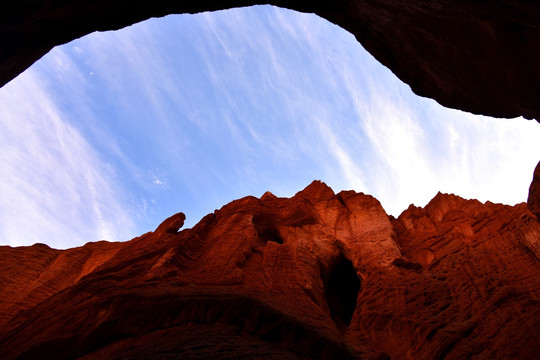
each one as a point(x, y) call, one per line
point(341, 287)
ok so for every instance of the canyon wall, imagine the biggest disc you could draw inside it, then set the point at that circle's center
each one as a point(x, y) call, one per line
point(319, 275)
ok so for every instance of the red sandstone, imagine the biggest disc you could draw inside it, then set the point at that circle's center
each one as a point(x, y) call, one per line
point(317, 275)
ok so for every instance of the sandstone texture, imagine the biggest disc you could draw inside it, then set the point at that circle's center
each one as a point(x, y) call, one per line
point(319, 275)
point(481, 57)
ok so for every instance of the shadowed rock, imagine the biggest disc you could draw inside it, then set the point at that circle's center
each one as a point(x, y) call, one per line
point(481, 57)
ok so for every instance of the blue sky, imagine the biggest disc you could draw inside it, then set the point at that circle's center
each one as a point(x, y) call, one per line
point(106, 136)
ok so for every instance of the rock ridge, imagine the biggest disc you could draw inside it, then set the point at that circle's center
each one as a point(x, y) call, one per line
point(318, 275)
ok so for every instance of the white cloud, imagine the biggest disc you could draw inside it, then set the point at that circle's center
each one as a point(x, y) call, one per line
point(398, 164)
point(350, 170)
point(157, 181)
point(78, 51)
point(196, 117)
point(55, 188)
point(415, 154)
point(416, 147)
point(492, 159)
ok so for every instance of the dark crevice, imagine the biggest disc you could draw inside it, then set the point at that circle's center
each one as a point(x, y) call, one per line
point(265, 226)
point(406, 264)
point(341, 287)
point(342, 202)
point(270, 234)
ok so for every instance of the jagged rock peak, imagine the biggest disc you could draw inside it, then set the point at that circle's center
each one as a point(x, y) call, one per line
point(268, 196)
point(172, 224)
point(316, 191)
point(442, 203)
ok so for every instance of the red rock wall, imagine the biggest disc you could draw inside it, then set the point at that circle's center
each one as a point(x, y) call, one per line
point(32, 274)
point(318, 275)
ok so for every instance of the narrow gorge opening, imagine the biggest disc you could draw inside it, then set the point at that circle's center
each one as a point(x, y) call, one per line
point(341, 291)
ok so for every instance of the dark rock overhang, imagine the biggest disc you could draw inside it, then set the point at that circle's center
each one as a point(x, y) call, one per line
point(478, 57)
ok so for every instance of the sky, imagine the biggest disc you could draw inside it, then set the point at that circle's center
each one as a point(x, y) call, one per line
point(106, 136)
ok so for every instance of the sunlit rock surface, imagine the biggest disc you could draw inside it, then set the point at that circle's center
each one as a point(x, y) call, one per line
point(319, 275)
point(481, 57)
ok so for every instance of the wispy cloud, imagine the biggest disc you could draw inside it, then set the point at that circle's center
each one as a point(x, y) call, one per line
point(54, 186)
point(485, 158)
point(186, 113)
point(407, 148)
point(419, 148)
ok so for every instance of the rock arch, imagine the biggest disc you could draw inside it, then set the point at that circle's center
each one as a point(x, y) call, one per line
point(483, 58)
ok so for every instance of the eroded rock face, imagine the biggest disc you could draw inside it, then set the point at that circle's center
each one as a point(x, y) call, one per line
point(319, 275)
point(474, 292)
point(478, 57)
